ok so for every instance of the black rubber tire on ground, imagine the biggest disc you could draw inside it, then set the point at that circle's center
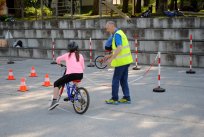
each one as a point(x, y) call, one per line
point(100, 64)
point(81, 104)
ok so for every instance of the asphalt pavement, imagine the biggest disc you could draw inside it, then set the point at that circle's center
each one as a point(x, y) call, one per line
point(177, 112)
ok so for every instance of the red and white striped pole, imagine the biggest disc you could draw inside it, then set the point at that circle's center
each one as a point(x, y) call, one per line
point(91, 57)
point(136, 54)
point(159, 89)
point(53, 52)
point(191, 54)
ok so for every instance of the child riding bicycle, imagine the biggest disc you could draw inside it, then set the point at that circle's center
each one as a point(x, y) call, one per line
point(75, 68)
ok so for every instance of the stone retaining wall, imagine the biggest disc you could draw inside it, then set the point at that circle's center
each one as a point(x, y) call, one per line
point(170, 36)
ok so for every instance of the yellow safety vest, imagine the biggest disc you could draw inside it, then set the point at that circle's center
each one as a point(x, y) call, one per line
point(125, 56)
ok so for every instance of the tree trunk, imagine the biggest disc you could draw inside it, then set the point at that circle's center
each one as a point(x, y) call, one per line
point(146, 3)
point(157, 5)
point(165, 5)
point(181, 5)
point(138, 6)
point(95, 7)
point(171, 5)
point(125, 6)
point(175, 5)
point(49, 3)
point(18, 5)
point(162, 6)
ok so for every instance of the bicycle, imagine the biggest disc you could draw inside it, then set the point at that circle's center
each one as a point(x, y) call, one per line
point(79, 96)
point(100, 61)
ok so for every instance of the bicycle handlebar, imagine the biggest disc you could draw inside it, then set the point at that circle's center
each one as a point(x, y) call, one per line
point(62, 65)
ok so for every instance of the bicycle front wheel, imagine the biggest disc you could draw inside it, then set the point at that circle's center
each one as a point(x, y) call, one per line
point(100, 63)
point(81, 100)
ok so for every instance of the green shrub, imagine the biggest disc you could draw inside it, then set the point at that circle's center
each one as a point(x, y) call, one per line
point(30, 11)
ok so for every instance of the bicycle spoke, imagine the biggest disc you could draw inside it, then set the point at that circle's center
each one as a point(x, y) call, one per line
point(81, 101)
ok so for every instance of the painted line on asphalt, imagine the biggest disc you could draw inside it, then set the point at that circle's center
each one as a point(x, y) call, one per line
point(92, 117)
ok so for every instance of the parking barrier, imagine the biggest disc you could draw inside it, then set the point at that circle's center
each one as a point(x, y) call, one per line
point(191, 53)
point(159, 89)
point(91, 57)
point(136, 53)
point(53, 52)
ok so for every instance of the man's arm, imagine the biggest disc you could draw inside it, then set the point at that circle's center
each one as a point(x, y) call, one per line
point(118, 43)
point(117, 51)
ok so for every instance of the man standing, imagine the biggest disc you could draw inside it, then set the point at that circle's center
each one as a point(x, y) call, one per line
point(121, 59)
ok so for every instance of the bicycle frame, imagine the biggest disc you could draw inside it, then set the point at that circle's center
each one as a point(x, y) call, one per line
point(70, 87)
point(79, 96)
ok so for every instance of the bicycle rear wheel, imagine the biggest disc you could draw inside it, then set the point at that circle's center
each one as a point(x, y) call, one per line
point(81, 100)
point(99, 62)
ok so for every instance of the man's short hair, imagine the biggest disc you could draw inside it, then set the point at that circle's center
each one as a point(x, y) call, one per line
point(111, 23)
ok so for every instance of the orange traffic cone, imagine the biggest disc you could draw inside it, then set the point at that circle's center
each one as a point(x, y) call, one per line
point(33, 73)
point(10, 75)
point(23, 86)
point(47, 81)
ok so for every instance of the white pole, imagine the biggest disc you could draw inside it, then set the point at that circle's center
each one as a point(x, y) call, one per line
point(159, 61)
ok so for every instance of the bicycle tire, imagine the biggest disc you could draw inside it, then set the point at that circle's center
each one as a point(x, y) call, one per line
point(81, 103)
point(99, 62)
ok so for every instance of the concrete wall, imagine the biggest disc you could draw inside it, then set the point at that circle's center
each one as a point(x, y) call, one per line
point(167, 35)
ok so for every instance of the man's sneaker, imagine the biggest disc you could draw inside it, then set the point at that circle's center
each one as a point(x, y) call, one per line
point(111, 101)
point(53, 104)
point(124, 101)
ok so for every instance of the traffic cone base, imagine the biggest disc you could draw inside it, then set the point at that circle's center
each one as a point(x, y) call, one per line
point(23, 89)
point(158, 89)
point(10, 78)
point(136, 68)
point(53, 62)
point(190, 72)
point(46, 84)
point(90, 65)
point(33, 75)
point(10, 62)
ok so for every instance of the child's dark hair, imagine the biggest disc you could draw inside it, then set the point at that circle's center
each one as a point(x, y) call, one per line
point(73, 48)
point(76, 55)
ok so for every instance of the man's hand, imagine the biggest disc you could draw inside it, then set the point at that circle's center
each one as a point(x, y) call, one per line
point(109, 60)
point(107, 57)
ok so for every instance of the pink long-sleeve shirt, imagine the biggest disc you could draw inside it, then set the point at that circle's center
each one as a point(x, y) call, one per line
point(72, 65)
